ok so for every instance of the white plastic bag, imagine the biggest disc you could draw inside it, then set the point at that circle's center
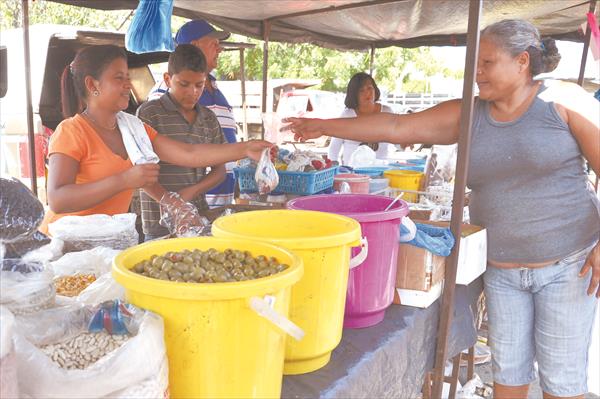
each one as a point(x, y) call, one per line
point(105, 288)
point(28, 291)
point(96, 261)
point(363, 156)
point(137, 368)
point(86, 232)
point(266, 176)
point(9, 387)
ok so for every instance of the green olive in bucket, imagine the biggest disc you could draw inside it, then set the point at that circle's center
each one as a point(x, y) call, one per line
point(210, 266)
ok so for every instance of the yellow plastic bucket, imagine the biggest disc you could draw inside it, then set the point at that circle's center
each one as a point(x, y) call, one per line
point(406, 180)
point(217, 345)
point(323, 241)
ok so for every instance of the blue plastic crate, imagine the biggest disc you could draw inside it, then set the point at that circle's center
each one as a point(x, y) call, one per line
point(301, 183)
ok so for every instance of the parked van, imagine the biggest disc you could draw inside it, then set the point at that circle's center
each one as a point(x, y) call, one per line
point(52, 48)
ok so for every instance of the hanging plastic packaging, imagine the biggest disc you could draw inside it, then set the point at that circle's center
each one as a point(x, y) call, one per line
point(266, 175)
point(150, 29)
point(182, 218)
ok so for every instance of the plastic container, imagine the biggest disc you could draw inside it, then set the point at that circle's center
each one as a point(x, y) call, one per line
point(372, 171)
point(323, 241)
point(359, 184)
point(415, 167)
point(378, 185)
point(406, 180)
point(370, 285)
point(217, 344)
point(303, 183)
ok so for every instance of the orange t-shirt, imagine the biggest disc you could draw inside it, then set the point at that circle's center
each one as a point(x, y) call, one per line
point(76, 138)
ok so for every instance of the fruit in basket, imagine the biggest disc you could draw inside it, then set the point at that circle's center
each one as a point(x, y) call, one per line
point(280, 165)
point(209, 266)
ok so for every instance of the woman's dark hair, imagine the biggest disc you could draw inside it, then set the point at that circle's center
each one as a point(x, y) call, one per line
point(516, 36)
point(186, 57)
point(356, 82)
point(89, 61)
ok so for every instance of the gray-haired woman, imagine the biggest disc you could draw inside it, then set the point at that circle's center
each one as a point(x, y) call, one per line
point(530, 190)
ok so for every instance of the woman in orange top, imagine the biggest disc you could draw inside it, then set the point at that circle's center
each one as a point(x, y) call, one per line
point(89, 169)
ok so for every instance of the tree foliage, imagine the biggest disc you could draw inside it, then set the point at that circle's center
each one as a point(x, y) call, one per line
point(394, 68)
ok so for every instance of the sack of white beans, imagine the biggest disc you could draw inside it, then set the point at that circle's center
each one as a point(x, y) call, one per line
point(59, 357)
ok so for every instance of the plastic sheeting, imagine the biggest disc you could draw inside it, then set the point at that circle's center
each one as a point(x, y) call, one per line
point(390, 360)
point(360, 24)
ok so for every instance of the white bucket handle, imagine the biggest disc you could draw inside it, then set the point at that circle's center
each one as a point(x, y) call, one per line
point(263, 307)
point(362, 255)
point(412, 230)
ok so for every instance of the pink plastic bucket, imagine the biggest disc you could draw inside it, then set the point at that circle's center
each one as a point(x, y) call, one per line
point(359, 184)
point(370, 285)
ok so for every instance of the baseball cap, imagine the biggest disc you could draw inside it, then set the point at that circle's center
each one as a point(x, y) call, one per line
point(196, 29)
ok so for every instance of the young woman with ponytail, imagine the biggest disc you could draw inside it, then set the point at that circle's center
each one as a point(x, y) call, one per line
point(89, 169)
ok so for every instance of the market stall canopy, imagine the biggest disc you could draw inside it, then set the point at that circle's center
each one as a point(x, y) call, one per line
point(361, 24)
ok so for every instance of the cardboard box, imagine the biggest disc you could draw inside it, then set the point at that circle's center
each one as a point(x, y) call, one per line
point(472, 258)
point(419, 299)
point(418, 268)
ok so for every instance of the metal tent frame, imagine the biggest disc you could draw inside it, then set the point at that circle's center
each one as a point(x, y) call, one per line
point(281, 21)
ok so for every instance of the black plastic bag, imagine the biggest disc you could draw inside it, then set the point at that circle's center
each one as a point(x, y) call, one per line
point(20, 211)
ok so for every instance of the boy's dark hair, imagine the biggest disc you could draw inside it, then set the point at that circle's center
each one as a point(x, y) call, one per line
point(354, 86)
point(89, 61)
point(186, 57)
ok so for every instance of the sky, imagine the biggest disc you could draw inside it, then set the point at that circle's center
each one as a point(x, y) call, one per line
point(454, 58)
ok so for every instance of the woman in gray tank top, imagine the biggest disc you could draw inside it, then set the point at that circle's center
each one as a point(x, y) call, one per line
point(530, 190)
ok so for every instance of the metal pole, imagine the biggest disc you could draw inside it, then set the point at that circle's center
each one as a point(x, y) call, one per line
point(371, 60)
point(30, 128)
point(458, 200)
point(586, 46)
point(243, 82)
point(266, 31)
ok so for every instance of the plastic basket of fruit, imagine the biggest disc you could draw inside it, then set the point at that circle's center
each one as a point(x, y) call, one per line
point(301, 183)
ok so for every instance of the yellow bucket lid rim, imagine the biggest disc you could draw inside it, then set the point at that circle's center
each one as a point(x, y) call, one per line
point(350, 237)
point(205, 291)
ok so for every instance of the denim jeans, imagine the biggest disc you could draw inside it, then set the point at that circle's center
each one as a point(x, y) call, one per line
point(541, 314)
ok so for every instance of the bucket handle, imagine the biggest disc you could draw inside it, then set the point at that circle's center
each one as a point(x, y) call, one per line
point(362, 255)
point(264, 308)
point(411, 227)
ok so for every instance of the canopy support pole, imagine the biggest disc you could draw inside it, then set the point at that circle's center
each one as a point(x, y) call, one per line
point(243, 83)
point(30, 128)
point(266, 28)
point(458, 200)
point(586, 46)
point(372, 60)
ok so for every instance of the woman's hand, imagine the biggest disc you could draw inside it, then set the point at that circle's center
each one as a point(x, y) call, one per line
point(304, 128)
point(592, 262)
point(141, 175)
point(254, 148)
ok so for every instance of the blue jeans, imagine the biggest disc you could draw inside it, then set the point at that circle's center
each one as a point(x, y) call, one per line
point(541, 314)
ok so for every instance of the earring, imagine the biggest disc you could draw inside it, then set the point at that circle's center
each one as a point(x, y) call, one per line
point(96, 93)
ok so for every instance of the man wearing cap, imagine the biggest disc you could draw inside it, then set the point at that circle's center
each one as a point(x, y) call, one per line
point(202, 35)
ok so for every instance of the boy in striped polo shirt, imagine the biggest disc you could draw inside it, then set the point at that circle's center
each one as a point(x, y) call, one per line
point(178, 115)
point(206, 38)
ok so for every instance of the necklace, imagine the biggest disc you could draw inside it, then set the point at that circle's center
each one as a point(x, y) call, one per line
point(87, 114)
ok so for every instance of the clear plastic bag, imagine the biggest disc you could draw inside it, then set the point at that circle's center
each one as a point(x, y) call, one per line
point(266, 176)
point(363, 156)
point(9, 387)
point(26, 288)
point(133, 367)
point(181, 218)
point(150, 29)
point(96, 261)
point(20, 211)
point(86, 232)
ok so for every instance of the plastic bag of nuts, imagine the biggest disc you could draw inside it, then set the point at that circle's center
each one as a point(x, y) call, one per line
point(59, 358)
point(26, 288)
